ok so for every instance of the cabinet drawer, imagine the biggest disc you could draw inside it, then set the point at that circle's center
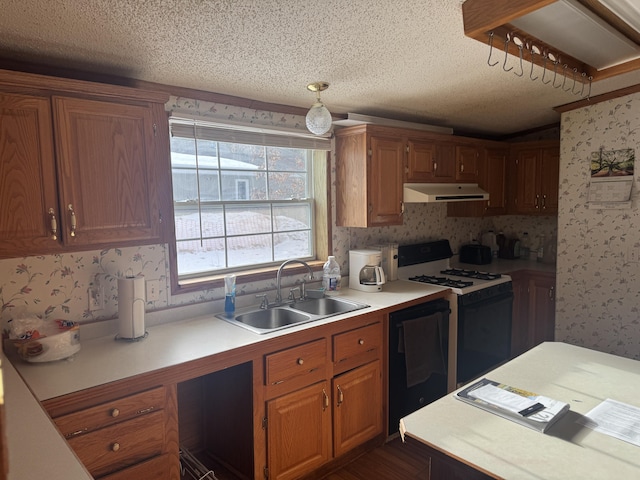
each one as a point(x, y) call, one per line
point(303, 360)
point(110, 413)
point(121, 445)
point(153, 469)
point(357, 342)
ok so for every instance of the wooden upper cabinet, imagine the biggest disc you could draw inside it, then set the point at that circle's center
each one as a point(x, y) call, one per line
point(28, 194)
point(430, 161)
point(369, 177)
point(107, 171)
point(549, 178)
point(467, 160)
point(492, 164)
point(385, 185)
point(82, 165)
point(493, 178)
point(536, 167)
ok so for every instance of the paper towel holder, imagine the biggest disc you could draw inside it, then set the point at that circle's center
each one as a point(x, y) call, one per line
point(139, 296)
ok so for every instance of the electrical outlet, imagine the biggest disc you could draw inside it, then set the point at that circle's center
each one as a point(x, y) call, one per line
point(96, 297)
point(153, 290)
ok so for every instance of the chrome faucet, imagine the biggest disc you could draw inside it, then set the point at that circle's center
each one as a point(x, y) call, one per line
point(279, 275)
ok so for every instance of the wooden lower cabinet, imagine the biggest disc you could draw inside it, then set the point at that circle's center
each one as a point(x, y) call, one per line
point(121, 437)
point(298, 432)
point(310, 425)
point(357, 407)
point(533, 309)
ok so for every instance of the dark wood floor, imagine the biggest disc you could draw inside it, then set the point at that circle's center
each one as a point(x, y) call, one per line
point(393, 461)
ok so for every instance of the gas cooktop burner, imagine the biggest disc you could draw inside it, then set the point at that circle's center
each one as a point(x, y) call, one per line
point(459, 272)
point(444, 281)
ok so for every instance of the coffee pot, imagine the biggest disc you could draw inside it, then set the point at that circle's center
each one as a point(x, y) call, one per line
point(365, 272)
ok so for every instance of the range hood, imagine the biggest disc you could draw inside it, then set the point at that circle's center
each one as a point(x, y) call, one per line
point(443, 192)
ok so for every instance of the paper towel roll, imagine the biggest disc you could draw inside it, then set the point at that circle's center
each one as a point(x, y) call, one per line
point(131, 303)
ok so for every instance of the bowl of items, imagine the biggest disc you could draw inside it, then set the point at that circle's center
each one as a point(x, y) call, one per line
point(38, 340)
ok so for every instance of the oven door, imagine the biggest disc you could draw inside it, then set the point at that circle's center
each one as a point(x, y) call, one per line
point(484, 333)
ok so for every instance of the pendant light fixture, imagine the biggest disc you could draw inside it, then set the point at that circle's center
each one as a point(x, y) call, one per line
point(318, 118)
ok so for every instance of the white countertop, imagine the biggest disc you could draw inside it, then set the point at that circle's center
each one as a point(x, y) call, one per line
point(581, 377)
point(102, 360)
point(35, 447)
point(506, 266)
point(37, 450)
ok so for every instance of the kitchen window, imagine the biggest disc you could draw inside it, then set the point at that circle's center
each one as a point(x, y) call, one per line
point(242, 196)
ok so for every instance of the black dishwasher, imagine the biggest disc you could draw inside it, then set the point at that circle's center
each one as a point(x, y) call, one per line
point(418, 349)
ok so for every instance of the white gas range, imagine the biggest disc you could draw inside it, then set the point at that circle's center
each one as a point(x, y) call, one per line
point(481, 305)
point(430, 263)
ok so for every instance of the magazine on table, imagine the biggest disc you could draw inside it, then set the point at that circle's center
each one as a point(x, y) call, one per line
point(520, 406)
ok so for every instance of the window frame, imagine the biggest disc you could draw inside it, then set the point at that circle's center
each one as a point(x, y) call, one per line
point(321, 215)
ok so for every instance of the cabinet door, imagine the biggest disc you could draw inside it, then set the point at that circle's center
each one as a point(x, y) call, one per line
point(527, 184)
point(444, 169)
point(430, 161)
point(549, 173)
point(421, 159)
point(107, 169)
point(357, 407)
point(494, 167)
point(467, 158)
point(298, 432)
point(542, 311)
point(28, 192)
point(520, 321)
point(385, 181)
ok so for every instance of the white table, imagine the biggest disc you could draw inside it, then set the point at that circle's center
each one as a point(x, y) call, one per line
point(504, 449)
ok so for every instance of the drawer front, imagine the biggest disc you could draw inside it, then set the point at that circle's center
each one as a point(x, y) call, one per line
point(157, 468)
point(303, 360)
point(357, 342)
point(121, 445)
point(112, 412)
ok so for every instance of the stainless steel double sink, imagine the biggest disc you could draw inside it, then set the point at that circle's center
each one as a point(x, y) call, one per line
point(267, 320)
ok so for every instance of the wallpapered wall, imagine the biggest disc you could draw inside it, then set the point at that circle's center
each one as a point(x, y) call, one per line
point(598, 286)
point(56, 286)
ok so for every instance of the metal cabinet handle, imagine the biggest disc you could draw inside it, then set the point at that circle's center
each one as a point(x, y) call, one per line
point(544, 202)
point(401, 208)
point(435, 166)
point(73, 220)
point(537, 201)
point(325, 405)
point(551, 292)
point(462, 168)
point(54, 225)
point(340, 395)
point(115, 412)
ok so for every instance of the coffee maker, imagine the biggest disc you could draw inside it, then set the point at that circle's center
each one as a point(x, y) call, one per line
point(365, 272)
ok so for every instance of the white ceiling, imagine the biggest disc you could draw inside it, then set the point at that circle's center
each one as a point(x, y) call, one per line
point(400, 59)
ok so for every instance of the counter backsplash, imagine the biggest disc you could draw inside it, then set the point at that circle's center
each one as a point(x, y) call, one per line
point(56, 286)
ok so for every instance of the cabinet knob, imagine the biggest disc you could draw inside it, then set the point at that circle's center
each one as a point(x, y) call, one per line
point(361, 341)
point(300, 361)
point(115, 446)
point(115, 412)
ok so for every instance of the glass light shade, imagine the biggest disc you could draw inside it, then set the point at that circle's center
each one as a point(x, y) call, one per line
point(319, 119)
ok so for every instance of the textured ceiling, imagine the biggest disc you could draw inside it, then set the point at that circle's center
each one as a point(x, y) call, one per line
point(400, 59)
